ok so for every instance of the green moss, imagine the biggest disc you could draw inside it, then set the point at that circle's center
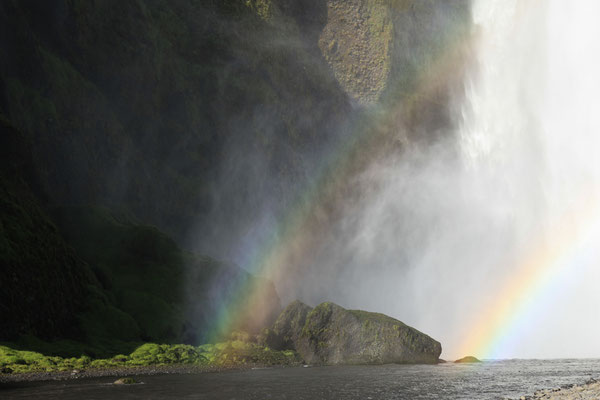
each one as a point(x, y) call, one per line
point(366, 316)
point(141, 272)
point(103, 320)
point(263, 8)
point(151, 353)
point(227, 353)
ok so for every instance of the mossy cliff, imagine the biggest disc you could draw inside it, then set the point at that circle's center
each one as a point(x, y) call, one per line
point(136, 134)
point(43, 281)
point(142, 105)
point(357, 43)
point(330, 334)
point(147, 106)
point(96, 280)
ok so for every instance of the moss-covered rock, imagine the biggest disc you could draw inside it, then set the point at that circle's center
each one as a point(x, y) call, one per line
point(286, 330)
point(144, 107)
point(331, 334)
point(357, 43)
point(141, 272)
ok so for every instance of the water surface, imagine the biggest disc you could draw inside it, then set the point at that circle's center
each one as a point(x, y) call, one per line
point(489, 380)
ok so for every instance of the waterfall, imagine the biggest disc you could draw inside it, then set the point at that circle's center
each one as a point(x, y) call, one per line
point(485, 238)
point(444, 236)
point(529, 139)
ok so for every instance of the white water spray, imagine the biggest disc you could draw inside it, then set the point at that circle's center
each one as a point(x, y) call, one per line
point(532, 131)
point(435, 239)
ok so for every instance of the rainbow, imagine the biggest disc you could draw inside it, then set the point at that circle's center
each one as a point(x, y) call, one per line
point(534, 285)
point(527, 293)
point(295, 235)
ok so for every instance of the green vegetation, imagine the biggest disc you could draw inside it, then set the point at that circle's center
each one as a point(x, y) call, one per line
point(140, 270)
point(102, 282)
point(118, 119)
point(367, 316)
point(228, 354)
point(264, 8)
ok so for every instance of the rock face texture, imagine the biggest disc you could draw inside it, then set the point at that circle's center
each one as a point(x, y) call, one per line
point(380, 49)
point(330, 334)
point(125, 102)
point(356, 42)
point(287, 329)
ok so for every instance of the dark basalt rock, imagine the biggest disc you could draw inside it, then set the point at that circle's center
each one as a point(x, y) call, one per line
point(330, 334)
point(287, 329)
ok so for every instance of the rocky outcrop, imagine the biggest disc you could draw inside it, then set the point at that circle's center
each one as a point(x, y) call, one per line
point(187, 116)
point(287, 329)
point(330, 334)
point(379, 49)
point(467, 360)
point(356, 42)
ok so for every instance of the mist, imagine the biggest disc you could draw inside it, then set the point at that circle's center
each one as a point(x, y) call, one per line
point(435, 232)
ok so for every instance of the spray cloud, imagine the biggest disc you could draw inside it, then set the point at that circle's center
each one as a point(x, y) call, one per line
point(439, 231)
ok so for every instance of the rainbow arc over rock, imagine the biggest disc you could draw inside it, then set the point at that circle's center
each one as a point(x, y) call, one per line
point(294, 235)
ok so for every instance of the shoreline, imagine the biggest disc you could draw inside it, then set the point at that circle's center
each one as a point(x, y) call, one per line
point(589, 390)
point(120, 372)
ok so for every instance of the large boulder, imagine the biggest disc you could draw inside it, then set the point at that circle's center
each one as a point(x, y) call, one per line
point(286, 331)
point(330, 334)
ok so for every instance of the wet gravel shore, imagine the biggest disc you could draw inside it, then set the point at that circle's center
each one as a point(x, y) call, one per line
point(117, 372)
point(587, 391)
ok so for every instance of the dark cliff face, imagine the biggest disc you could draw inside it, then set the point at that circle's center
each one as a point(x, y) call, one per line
point(151, 106)
point(43, 280)
point(173, 114)
point(196, 117)
point(180, 112)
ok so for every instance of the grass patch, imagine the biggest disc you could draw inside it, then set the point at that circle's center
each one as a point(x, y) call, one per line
point(231, 353)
